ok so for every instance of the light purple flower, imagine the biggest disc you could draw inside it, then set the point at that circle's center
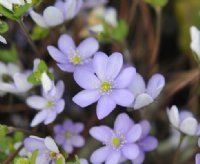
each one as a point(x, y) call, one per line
point(50, 104)
point(107, 85)
point(68, 135)
point(197, 157)
point(69, 56)
point(118, 142)
point(47, 149)
point(93, 3)
point(183, 121)
point(145, 95)
point(57, 14)
point(146, 142)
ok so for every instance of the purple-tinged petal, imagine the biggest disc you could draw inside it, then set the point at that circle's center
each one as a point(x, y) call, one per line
point(122, 97)
point(68, 125)
point(100, 61)
point(105, 106)
point(39, 117)
point(199, 142)
point(36, 102)
point(66, 44)
point(87, 48)
point(39, 19)
point(60, 105)
point(114, 65)
point(189, 126)
point(197, 158)
point(78, 127)
point(100, 155)
point(60, 87)
point(60, 139)
point(50, 118)
point(122, 123)
point(137, 86)
point(113, 158)
point(86, 97)
point(31, 144)
point(142, 100)
point(43, 158)
point(140, 158)
point(57, 129)
point(146, 127)
point(101, 133)
point(67, 67)
point(78, 141)
point(83, 161)
point(57, 55)
point(86, 79)
point(184, 114)
point(155, 85)
point(13, 69)
point(131, 151)
point(134, 133)
point(149, 143)
point(68, 148)
point(51, 145)
point(125, 77)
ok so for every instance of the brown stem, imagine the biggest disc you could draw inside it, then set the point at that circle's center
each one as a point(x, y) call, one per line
point(133, 11)
point(178, 149)
point(28, 132)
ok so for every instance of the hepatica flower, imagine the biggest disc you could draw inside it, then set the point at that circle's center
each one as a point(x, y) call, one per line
point(69, 56)
point(107, 84)
point(68, 135)
point(183, 121)
point(9, 4)
point(197, 157)
point(195, 40)
point(118, 142)
point(47, 149)
point(50, 104)
point(57, 14)
point(144, 95)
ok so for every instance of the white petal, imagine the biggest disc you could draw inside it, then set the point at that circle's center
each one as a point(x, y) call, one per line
point(189, 126)
point(12, 69)
point(195, 37)
point(39, 19)
point(36, 102)
point(3, 69)
point(51, 145)
point(142, 100)
point(173, 116)
point(110, 16)
point(47, 84)
point(3, 40)
point(6, 4)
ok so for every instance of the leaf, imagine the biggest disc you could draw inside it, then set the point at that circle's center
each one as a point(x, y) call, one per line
point(3, 27)
point(157, 3)
point(120, 32)
point(35, 78)
point(8, 55)
point(42, 67)
point(60, 161)
point(34, 156)
point(18, 136)
point(39, 33)
point(3, 130)
point(20, 160)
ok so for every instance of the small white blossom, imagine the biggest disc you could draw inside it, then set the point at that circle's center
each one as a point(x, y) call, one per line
point(195, 40)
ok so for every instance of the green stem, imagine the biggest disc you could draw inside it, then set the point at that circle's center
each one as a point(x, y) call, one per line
point(21, 23)
point(178, 149)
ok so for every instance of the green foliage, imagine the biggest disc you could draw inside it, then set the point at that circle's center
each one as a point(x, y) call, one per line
point(35, 77)
point(20, 160)
point(77, 161)
point(36, 2)
point(3, 130)
point(18, 136)
point(8, 55)
point(60, 160)
point(120, 32)
point(157, 3)
point(39, 33)
point(3, 27)
point(34, 156)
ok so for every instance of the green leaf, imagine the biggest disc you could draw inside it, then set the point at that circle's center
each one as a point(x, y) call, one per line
point(35, 78)
point(18, 136)
point(20, 160)
point(120, 32)
point(39, 33)
point(157, 3)
point(42, 67)
point(3, 130)
point(36, 2)
point(34, 156)
point(8, 55)
point(61, 160)
point(3, 27)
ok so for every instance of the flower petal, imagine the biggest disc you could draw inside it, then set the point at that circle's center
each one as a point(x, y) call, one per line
point(60, 88)
point(145, 128)
point(189, 126)
point(105, 106)
point(140, 158)
point(114, 65)
point(86, 97)
point(87, 48)
point(51, 145)
point(67, 67)
point(131, 151)
point(57, 55)
point(122, 97)
point(134, 133)
point(113, 158)
point(155, 85)
point(60, 105)
point(68, 148)
point(149, 143)
point(173, 116)
point(31, 144)
point(100, 61)
point(101, 133)
point(39, 19)
point(100, 155)
point(50, 118)
point(78, 127)
point(66, 44)
point(53, 16)
point(197, 158)
point(78, 141)
point(122, 123)
point(125, 77)
point(13, 69)
point(21, 82)
point(142, 100)
point(39, 117)
point(3, 40)
point(36, 102)
point(47, 83)
point(86, 79)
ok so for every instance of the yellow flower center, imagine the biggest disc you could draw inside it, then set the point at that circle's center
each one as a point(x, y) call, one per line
point(105, 86)
point(68, 135)
point(52, 155)
point(50, 104)
point(76, 59)
point(116, 141)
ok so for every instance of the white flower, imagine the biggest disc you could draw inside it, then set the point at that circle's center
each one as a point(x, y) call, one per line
point(195, 40)
point(3, 40)
point(57, 14)
point(9, 3)
point(183, 121)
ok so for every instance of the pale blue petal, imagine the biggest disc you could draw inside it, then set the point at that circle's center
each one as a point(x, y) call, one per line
point(100, 155)
point(131, 151)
